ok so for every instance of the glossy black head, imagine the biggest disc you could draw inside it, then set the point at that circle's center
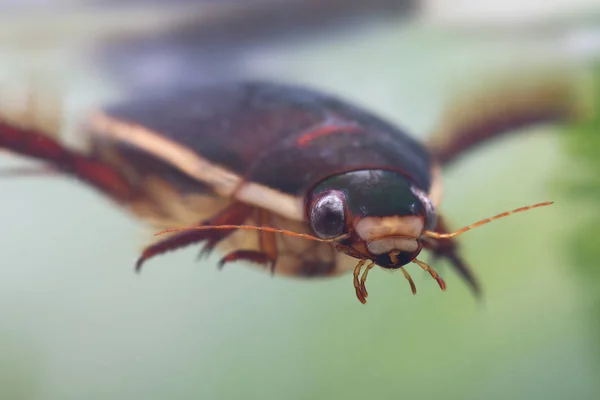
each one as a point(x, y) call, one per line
point(384, 212)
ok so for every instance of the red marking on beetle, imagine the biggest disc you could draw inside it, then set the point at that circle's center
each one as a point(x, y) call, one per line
point(327, 129)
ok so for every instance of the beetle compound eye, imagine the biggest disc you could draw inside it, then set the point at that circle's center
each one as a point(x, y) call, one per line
point(328, 215)
point(430, 211)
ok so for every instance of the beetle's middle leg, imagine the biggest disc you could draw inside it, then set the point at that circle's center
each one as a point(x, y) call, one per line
point(267, 244)
point(235, 214)
point(448, 249)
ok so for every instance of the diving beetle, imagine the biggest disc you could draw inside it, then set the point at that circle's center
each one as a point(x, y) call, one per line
point(280, 175)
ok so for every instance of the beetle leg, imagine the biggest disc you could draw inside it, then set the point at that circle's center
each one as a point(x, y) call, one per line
point(413, 288)
point(508, 107)
point(267, 244)
point(448, 249)
point(247, 255)
point(235, 214)
point(267, 240)
point(35, 144)
point(432, 272)
point(359, 293)
point(363, 279)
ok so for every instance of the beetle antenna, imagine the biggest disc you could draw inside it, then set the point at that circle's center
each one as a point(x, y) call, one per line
point(437, 235)
point(256, 228)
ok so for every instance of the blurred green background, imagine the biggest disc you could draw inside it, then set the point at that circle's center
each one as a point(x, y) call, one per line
point(77, 323)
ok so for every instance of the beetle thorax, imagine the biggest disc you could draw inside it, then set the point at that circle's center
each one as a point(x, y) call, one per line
point(394, 233)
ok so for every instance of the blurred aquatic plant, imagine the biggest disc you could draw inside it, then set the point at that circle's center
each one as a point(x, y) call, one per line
point(583, 186)
point(583, 190)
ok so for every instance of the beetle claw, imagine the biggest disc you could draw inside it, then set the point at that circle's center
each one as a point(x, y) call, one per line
point(138, 264)
point(208, 247)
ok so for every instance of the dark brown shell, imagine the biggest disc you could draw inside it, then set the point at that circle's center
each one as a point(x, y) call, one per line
point(281, 136)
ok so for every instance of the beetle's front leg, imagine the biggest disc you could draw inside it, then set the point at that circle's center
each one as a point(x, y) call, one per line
point(448, 249)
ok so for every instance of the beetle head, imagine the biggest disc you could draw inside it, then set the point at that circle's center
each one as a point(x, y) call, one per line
point(382, 212)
